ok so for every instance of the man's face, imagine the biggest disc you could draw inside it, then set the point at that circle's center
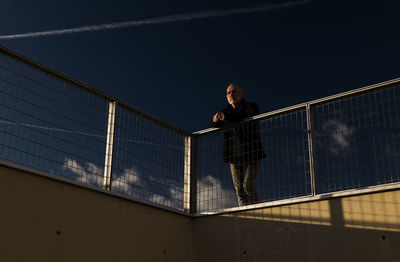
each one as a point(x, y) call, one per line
point(234, 94)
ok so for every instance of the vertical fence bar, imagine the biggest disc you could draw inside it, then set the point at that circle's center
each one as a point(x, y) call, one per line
point(190, 187)
point(186, 190)
point(310, 149)
point(193, 174)
point(109, 146)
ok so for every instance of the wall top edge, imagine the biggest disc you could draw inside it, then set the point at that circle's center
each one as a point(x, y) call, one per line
point(305, 199)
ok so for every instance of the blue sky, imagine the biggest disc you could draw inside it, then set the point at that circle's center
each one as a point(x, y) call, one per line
point(179, 71)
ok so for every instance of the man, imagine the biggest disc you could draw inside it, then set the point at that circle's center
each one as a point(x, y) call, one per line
point(242, 145)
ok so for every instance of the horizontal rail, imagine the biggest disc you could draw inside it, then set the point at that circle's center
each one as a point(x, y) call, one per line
point(294, 107)
point(89, 88)
point(259, 116)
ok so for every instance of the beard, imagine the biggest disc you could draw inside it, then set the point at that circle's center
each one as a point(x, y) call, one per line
point(233, 100)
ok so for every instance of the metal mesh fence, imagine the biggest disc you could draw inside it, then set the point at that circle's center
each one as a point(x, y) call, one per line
point(281, 172)
point(353, 141)
point(50, 125)
point(148, 160)
point(57, 126)
point(53, 124)
point(357, 140)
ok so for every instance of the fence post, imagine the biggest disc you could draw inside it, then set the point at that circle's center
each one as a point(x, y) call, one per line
point(190, 187)
point(109, 146)
point(310, 149)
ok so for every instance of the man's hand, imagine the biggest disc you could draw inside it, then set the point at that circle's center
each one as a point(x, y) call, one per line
point(218, 117)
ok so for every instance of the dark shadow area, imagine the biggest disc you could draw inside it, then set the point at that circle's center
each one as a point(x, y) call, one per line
point(357, 228)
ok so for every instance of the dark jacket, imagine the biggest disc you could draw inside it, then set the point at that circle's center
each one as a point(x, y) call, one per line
point(241, 144)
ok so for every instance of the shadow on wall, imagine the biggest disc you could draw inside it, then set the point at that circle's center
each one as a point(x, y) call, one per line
point(373, 211)
point(358, 228)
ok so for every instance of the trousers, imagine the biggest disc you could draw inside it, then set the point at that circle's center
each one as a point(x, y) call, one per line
point(244, 176)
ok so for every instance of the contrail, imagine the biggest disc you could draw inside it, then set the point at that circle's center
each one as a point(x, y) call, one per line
point(159, 20)
point(51, 129)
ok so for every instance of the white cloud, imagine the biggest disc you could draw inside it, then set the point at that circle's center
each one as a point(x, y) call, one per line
point(130, 182)
point(161, 200)
point(213, 196)
point(90, 173)
point(340, 135)
point(127, 182)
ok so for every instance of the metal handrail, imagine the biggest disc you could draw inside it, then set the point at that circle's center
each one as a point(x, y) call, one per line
point(89, 88)
point(301, 105)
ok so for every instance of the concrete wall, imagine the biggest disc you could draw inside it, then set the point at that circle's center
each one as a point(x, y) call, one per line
point(357, 228)
point(46, 220)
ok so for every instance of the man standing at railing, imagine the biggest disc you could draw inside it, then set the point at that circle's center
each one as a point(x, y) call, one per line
point(242, 145)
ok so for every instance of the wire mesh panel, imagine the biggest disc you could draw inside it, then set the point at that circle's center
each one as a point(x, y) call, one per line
point(214, 185)
point(279, 168)
point(286, 168)
point(49, 124)
point(357, 140)
point(148, 160)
